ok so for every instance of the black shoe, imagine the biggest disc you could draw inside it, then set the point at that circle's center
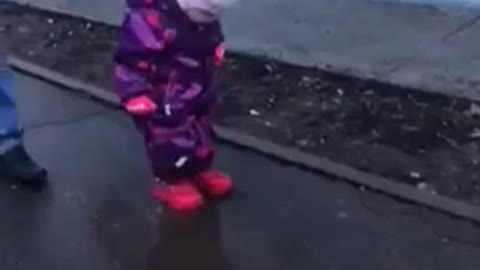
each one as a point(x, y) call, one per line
point(17, 165)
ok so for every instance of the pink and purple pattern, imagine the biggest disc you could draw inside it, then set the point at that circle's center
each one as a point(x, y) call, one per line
point(164, 55)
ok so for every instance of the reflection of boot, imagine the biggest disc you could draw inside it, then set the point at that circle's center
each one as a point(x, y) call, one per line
point(188, 242)
point(182, 196)
point(16, 164)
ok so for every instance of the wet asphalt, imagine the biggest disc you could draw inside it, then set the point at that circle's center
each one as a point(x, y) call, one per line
point(97, 214)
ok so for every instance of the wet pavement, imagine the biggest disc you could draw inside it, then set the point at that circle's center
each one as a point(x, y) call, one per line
point(97, 213)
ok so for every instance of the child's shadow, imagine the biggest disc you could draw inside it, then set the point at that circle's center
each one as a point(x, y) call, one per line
point(188, 242)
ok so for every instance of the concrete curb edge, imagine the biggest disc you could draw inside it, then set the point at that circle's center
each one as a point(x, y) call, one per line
point(377, 183)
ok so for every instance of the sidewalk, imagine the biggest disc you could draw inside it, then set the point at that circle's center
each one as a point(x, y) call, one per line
point(97, 214)
point(411, 45)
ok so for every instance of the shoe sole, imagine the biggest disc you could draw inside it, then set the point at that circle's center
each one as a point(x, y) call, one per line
point(41, 180)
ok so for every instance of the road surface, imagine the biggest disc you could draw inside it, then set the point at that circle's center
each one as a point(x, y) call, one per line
point(97, 213)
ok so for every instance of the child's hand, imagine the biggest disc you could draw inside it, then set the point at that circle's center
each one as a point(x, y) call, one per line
point(141, 106)
point(219, 55)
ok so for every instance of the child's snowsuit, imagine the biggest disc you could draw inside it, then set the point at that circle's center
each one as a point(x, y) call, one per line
point(163, 55)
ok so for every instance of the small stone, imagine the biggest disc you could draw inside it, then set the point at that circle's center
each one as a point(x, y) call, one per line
point(269, 68)
point(88, 25)
point(337, 101)
point(475, 134)
point(254, 112)
point(474, 109)
point(340, 91)
point(303, 142)
point(415, 175)
point(50, 21)
point(368, 92)
point(268, 124)
point(307, 82)
point(422, 186)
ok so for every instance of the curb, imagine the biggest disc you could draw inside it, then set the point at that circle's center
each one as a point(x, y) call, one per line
point(376, 183)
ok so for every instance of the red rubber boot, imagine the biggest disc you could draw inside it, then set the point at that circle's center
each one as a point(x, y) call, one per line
point(214, 183)
point(180, 197)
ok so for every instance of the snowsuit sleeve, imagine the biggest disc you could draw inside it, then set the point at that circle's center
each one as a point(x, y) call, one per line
point(141, 38)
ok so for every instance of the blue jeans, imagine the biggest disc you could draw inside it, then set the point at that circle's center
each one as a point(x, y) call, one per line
point(9, 128)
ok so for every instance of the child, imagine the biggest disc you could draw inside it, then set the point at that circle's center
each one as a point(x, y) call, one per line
point(164, 70)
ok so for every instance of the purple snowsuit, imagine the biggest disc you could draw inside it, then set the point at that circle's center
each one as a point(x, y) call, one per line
point(164, 55)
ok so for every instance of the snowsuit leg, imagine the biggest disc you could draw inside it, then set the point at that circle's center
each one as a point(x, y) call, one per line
point(179, 152)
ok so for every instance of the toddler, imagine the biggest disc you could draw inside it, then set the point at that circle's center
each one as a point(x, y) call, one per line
point(164, 69)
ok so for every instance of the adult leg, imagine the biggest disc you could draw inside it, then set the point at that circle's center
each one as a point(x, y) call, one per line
point(15, 163)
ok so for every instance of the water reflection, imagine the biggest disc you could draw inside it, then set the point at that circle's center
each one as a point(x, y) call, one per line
point(188, 242)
